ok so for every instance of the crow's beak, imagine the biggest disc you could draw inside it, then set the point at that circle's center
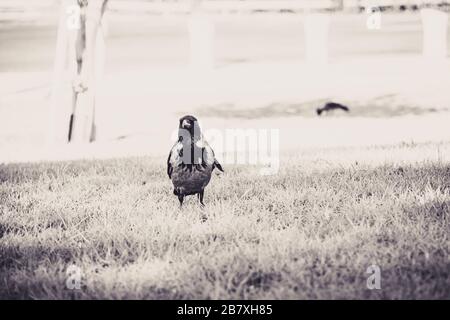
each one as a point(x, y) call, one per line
point(186, 124)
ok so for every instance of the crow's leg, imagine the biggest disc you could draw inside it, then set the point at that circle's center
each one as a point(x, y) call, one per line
point(202, 205)
point(181, 198)
point(200, 197)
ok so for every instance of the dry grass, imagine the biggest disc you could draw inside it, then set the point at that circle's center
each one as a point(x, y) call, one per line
point(310, 231)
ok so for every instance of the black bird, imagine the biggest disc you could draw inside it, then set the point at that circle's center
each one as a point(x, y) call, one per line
point(191, 161)
point(332, 106)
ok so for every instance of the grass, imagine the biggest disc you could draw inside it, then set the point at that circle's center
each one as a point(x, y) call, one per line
point(309, 232)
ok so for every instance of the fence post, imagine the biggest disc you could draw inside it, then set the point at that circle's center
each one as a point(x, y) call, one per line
point(83, 128)
point(201, 36)
point(80, 55)
point(61, 92)
point(316, 26)
point(434, 24)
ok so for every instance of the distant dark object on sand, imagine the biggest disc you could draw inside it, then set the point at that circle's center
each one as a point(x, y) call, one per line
point(332, 106)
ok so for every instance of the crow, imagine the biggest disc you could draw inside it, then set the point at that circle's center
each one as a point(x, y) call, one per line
point(332, 106)
point(191, 161)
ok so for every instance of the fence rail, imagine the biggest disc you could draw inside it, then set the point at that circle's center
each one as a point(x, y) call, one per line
point(238, 6)
point(262, 5)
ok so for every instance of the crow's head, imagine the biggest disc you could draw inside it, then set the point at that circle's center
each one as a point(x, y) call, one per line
point(189, 124)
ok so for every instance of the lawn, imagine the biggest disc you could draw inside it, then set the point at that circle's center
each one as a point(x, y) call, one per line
point(310, 231)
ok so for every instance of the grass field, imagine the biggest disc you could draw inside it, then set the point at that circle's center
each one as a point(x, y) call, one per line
point(311, 231)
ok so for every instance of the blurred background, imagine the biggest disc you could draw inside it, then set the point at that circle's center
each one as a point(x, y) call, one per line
point(235, 64)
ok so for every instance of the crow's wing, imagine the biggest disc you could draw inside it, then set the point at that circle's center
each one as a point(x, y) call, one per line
point(217, 165)
point(169, 165)
point(174, 157)
point(210, 158)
